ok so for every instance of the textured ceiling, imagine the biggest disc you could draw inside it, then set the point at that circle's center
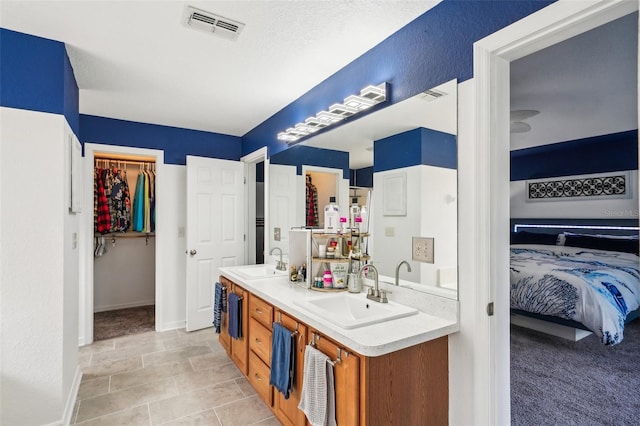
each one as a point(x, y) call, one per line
point(135, 60)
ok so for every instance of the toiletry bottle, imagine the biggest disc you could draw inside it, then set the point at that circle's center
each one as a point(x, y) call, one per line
point(293, 274)
point(354, 212)
point(327, 279)
point(344, 227)
point(331, 217)
point(364, 215)
point(302, 272)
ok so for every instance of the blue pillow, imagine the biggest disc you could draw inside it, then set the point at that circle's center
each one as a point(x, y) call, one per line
point(600, 243)
point(524, 237)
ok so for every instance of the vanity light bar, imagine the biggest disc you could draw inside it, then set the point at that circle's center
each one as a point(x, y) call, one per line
point(353, 104)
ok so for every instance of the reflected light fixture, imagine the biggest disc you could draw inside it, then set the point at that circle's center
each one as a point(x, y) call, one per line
point(352, 105)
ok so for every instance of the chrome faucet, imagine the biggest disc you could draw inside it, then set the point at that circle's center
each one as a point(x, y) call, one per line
point(280, 265)
point(404, 262)
point(374, 293)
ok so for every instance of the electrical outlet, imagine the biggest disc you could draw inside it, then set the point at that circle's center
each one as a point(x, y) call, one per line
point(422, 249)
point(276, 234)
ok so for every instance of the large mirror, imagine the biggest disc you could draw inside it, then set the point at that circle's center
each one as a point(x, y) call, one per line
point(404, 159)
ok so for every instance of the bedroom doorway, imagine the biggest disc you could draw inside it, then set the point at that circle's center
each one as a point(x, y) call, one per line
point(490, 183)
point(540, 391)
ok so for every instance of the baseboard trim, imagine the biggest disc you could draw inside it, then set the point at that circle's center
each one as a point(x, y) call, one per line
point(173, 325)
point(124, 305)
point(71, 401)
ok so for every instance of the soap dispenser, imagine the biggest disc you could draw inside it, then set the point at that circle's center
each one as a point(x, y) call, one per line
point(331, 217)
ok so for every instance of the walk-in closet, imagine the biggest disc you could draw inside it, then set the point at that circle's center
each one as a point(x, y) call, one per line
point(124, 245)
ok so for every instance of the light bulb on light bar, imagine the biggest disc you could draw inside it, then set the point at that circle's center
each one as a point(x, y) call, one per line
point(358, 102)
point(375, 93)
point(342, 110)
point(369, 96)
point(328, 118)
point(314, 122)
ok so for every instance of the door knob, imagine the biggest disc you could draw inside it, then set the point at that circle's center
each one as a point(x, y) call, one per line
point(193, 252)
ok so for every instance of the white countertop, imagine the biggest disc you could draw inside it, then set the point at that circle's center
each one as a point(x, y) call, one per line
point(371, 340)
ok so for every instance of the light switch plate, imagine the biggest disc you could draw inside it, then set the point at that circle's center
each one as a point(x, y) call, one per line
point(276, 234)
point(389, 231)
point(422, 249)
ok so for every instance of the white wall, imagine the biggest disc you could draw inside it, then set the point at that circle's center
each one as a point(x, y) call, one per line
point(173, 260)
point(461, 344)
point(431, 212)
point(39, 273)
point(623, 208)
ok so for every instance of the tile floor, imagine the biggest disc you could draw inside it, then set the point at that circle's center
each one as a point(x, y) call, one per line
point(169, 378)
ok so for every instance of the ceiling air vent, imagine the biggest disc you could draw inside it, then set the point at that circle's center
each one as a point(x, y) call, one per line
point(211, 23)
point(432, 95)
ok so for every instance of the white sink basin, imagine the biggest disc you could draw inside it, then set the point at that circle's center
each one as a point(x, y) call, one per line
point(348, 310)
point(255, 272)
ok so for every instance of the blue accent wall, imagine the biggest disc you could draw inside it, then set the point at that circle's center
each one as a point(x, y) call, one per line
point(300, 155)
point(36, 75)
point(361, 177)
point(413, 147)
point(436, 47)
point(598, 154)
point(176, 142)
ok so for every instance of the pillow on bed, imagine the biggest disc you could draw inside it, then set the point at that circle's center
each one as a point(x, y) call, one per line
point(524, 237)
point(602, 243)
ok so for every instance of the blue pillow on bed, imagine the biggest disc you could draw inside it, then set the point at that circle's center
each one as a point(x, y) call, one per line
point(524, 237)
point(602, 243)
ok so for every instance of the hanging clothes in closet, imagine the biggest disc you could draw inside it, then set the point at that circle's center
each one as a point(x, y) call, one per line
point(311, 204)
point(111, 202)
point(144, 202)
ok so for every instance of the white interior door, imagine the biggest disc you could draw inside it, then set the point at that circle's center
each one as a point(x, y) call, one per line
point(282, 205)
point(215, 231)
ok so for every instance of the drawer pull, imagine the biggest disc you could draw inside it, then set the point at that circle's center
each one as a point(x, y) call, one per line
point(259, 311)
point(258, 341)
point(257, 377)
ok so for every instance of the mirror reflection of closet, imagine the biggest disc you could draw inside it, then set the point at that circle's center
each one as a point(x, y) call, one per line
point(324, 186)
point(124, 246)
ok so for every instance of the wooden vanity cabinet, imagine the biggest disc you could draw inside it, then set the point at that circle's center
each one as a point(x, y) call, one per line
point(224, 338)
point(286, 410)
point(405, 387)
point(260, 327)
point(240, 347)
point(347, 379)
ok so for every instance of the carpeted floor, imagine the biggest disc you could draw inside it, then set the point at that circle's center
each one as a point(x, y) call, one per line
point(122, 322)
point(559, 382)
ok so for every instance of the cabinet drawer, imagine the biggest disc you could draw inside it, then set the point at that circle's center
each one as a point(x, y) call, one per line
point(261, 311)
point(259, 378)
point(260, 340)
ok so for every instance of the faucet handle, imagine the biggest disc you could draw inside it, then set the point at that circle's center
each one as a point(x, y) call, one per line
point(383, 296)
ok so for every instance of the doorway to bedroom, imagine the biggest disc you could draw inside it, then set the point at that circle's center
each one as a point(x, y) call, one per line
point(574, 162)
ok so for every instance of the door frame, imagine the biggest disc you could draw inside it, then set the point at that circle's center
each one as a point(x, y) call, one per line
point(250, 160)
point(490, 223)
point(342, 191)
point(86, 235)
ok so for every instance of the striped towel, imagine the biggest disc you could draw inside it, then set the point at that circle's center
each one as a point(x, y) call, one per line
point(219, 305)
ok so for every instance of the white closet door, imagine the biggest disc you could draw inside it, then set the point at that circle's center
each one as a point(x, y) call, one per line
point(282, 205)
point(215, 231)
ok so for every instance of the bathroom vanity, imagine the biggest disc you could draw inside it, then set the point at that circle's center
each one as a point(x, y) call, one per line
point(389, 372)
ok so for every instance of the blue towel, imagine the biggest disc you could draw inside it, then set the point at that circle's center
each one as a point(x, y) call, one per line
point(235, 316)
point(219, 305)
point(282, 359)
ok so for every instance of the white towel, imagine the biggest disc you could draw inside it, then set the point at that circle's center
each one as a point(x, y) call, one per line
point(318, 391)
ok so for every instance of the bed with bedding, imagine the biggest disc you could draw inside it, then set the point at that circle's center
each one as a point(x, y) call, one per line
point(585, 281)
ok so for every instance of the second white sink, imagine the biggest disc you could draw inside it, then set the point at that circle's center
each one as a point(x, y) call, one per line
point(255, 272)
point(348, 310)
